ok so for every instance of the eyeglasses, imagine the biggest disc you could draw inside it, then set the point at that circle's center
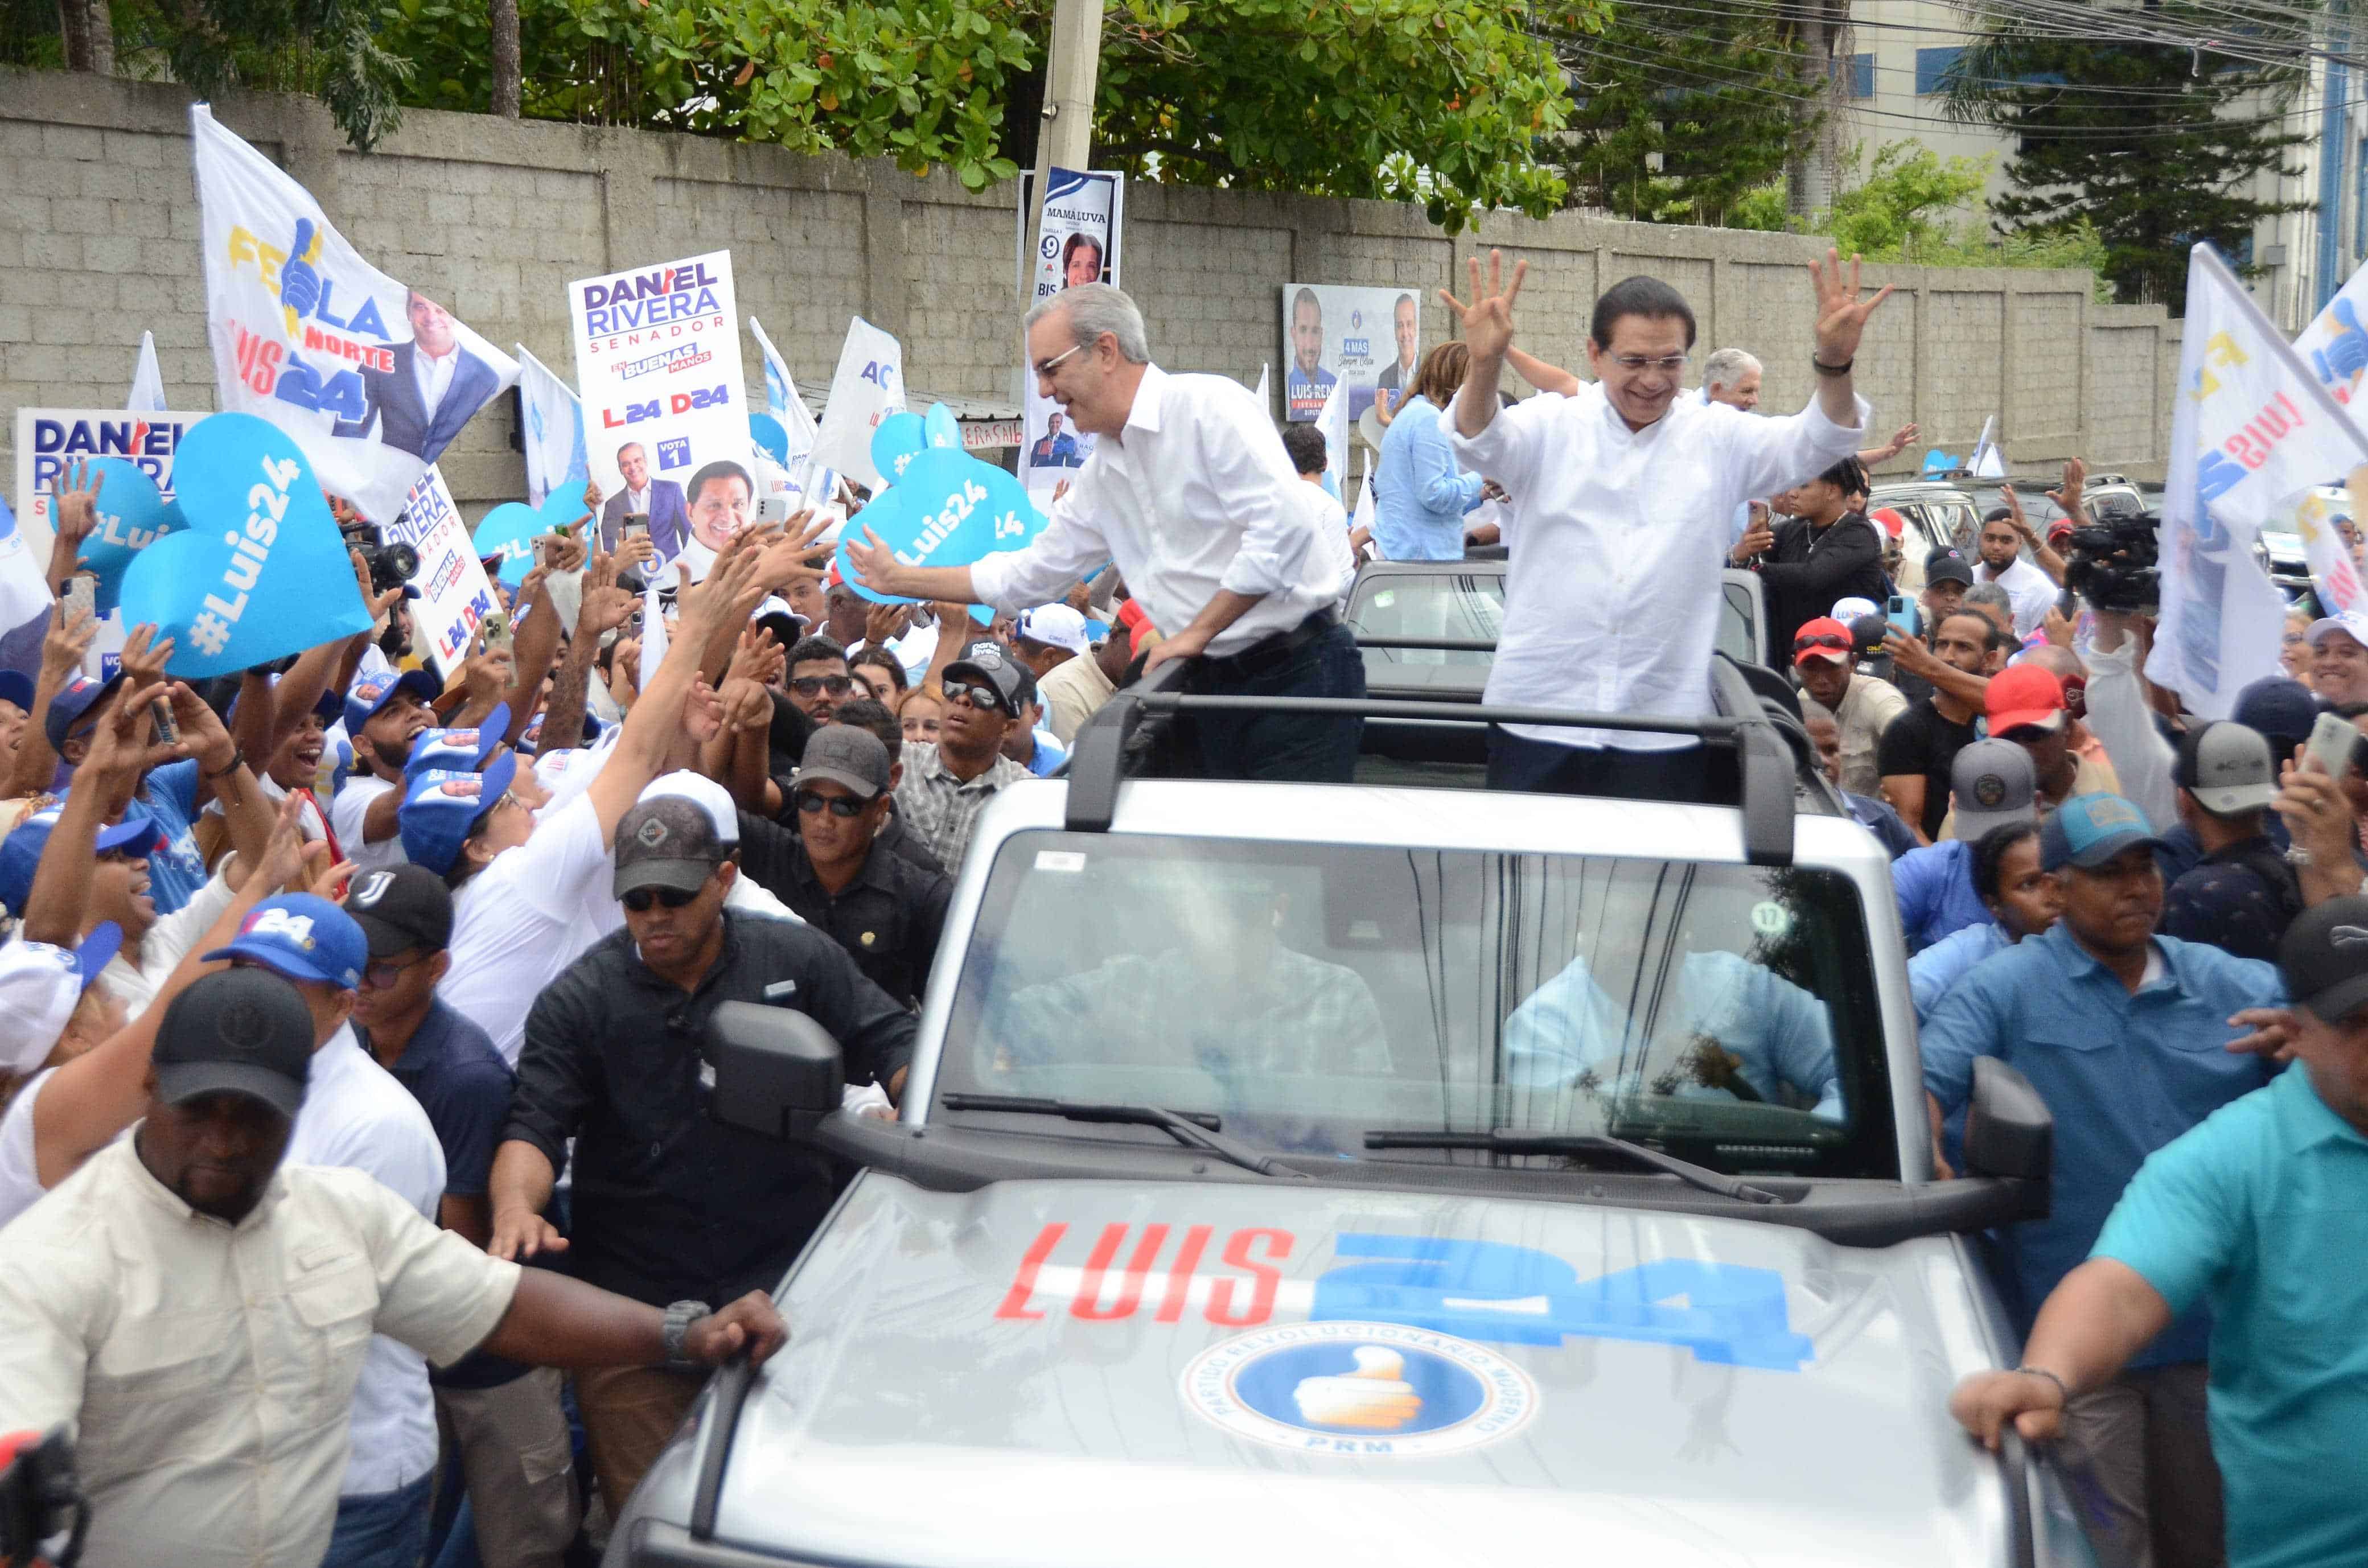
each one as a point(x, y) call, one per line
point(1045, 367)
point(807, 685)
point(984, 697)
point(811, 801)
point(1822, 640)
point(640, 899)
point(1669, 364)
point(380, 975)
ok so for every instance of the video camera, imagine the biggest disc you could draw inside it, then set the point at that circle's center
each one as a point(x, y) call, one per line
point(390, 565)
point(39, 1499)
point(2113, 563)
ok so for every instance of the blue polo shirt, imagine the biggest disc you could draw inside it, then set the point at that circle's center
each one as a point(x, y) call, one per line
point(2124, 1074)
point(1934, 886)
point(2262, 1213)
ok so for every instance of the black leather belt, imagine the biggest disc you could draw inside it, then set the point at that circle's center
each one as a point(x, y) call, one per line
point(1268, 652)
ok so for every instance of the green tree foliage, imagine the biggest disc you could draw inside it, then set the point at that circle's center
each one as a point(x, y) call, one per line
point(1672, 118)
point(2151, 146)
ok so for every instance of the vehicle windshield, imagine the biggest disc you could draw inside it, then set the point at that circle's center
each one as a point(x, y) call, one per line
point(1457, 604)
point(1306, 994)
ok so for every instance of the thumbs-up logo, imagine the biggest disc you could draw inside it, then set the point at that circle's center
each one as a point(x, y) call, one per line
point(300, 281)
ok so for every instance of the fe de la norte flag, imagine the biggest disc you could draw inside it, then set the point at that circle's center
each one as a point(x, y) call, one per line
point(371, 380)
point(2253, 431)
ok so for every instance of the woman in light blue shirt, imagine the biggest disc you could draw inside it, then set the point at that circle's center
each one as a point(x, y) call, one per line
point(1420, 496)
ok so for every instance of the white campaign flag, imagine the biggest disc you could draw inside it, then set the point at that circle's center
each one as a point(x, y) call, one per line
point(1363, 516)
point(868, 386)
point(552, 417)
point(147, 380)
point(2253, 430)
point(783, 402)
point(1987, 461)
point(1265, 395)
point(370, 378)
point(1332, 424)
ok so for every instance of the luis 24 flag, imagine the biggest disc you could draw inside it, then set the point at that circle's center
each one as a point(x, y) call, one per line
point(372, 380)
point(2253, 430)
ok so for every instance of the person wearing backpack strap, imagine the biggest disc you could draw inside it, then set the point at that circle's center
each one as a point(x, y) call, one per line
point(2242, 895)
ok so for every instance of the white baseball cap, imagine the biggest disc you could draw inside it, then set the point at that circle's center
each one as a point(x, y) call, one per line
point(723, 812)
point(1055, 626)
point(1849, 609)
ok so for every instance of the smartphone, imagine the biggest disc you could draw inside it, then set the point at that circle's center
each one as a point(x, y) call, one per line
point(498, 632)
point(2334, 743)
point(774, 509)
point(637, 525)
point(1901, 612)
point(82, 593)
point(167, 731)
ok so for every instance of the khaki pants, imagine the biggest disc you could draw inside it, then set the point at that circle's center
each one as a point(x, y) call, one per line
point(2143, 1437)
point(516, 1463)
point(629, 1415)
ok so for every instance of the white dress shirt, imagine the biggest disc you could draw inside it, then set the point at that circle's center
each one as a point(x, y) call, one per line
point(1615, 539)
point(357, 1117)
point(433, 372)
point(1195, 496)
point(206, 1368)
point(2031, 590)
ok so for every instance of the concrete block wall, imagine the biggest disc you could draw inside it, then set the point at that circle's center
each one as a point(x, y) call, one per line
point(99, 241)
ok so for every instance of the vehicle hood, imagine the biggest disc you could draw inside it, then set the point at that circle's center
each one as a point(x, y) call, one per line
point(1055, 1374)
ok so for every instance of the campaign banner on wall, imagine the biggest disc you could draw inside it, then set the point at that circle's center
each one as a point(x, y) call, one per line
point(1077, 242)
point(454, 594)
point(372, 379)
point(50, 440)
point(1362, 338)
point(665, 411)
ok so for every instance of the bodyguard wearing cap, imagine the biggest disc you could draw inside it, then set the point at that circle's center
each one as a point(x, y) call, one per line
point(2127, 1036)
point(670, 1206)
point(2255, 1216)
point(503, 1418)
point(950, 780)
point(1990, 785)
point(886, 912)
point(2243, 894)
point(198, 1303)
point(1825, 661)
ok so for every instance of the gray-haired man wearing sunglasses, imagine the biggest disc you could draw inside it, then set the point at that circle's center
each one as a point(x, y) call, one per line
point(671, 1207)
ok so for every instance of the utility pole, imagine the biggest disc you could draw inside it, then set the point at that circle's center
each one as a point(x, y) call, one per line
point(1072, 63)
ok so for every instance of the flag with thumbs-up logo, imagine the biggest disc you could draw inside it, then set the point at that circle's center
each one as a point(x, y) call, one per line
point(372, 379)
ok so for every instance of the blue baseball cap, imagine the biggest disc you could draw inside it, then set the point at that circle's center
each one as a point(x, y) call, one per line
point(17, 687)
point(440, 809)
point(20, 852)
point(66, 709)
point(373, 692)
point(2088, 830)
point(300, 937)
point(458, 751)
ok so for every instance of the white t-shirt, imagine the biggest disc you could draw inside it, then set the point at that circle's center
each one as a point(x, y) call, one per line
point(346, 814)
point(166, 942)
point(2032, 591)
point(356, 1115)
point(20, 1184)
point(309, 821)
point(520, 921)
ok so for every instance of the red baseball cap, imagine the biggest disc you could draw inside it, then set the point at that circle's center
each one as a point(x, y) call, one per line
point(2025, 697)
point(1889, 521)
point(1824, 637)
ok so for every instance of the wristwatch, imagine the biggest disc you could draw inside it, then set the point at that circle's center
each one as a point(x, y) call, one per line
point(678, 1319)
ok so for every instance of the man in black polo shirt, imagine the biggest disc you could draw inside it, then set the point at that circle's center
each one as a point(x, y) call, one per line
point(1920, 746)
point(502, 1416)
point(670, 1206)
point(886, 912)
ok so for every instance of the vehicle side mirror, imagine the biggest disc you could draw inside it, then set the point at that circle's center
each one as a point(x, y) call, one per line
point(2009, 1130)
point(777, 1071)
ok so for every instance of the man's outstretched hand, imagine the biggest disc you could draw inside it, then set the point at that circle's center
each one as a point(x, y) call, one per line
point(1488, 319)
point(1841, 314)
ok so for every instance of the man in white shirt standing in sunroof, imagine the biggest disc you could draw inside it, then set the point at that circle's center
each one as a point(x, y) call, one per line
point(1623, 502)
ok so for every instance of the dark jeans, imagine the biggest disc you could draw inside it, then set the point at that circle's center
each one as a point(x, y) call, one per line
point(1311, 748)
point(1698, 773)
point(385, 1529)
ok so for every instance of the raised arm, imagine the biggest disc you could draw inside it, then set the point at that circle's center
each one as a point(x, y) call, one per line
point(62, 648)
point(1538, 373)
point(59, 898)
point(1841, 319)
point(1487, 324)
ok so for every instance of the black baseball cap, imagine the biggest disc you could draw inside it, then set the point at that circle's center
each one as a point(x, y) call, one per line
point(2283, 711)
point(1945, 565)
point(400, 908)
point(2324, 958)
point(242, 1031)
point(989, 666)
point(668, 841)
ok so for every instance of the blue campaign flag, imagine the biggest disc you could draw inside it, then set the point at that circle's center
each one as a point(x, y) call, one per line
point(132, 515)
point(260, 572)
point(947, 509)
point(1938, 461)
point(771, 437)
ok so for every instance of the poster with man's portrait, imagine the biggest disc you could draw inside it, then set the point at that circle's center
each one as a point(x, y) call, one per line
point(1077, 242)
point(1361, 339)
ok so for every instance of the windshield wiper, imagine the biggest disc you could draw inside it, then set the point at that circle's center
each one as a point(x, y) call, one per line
point(1577, 1143)
point(1186, 1130)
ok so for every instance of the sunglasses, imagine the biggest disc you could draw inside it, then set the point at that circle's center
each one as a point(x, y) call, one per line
point(812, 800)
point(379, 974)
point(640, 899)
point(1822, 640)
point(984, 697)
point(807, 685)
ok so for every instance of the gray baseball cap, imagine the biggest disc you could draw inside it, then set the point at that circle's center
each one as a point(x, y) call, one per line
point(847, 754)
point(2227, 767)
point(1991, 784)
point(668, 842)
